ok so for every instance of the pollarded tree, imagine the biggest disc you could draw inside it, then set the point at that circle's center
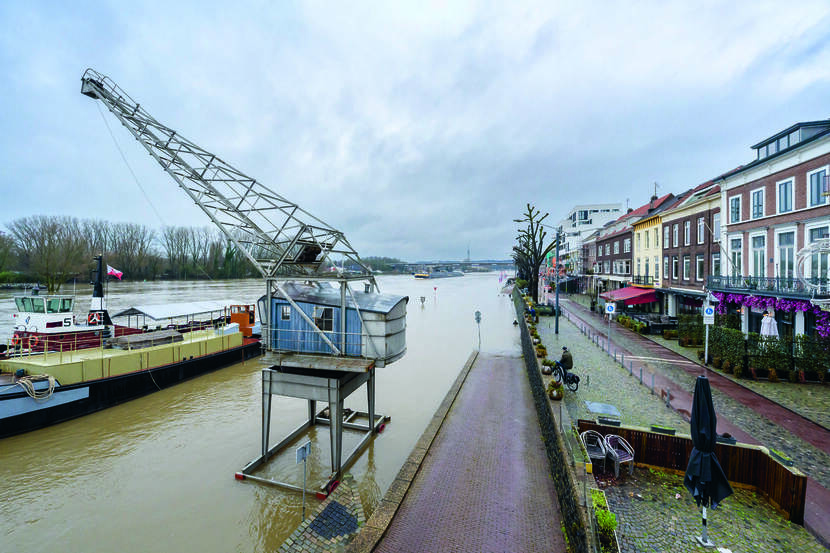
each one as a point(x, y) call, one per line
point(530, 250)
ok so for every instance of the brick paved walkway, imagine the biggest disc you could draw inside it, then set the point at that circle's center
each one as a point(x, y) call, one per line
point(485, 484)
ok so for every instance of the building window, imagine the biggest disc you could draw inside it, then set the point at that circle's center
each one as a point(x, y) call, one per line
point(607, 267)
point(639, 240)
point(608, 249)
point(285, 312)
point(701, 229)
point(666, 266)
point(757, 198)
point(699, 267)
point(735, 209)
point(817, 187)
point(687, 266)
point(627, 245)
point(819, 262)
point(638, 266)
point(646, 233)
point(323, 317)
point(674, 235)
point(674, 267)
point(646, 271)
point(666, 236)
point(786, 255)
point(656, 268)
point(687, 233)
point(759, 256)
point(785, 196)
point(716, 227)
point(617, 247)
point(735, 250)
point(715, 264)
point(627, 267)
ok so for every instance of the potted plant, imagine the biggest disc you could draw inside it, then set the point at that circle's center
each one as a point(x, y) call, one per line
point(555, 390)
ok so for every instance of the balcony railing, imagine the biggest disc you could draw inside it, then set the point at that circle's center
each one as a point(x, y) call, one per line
point(770, 285)
point(643, 280)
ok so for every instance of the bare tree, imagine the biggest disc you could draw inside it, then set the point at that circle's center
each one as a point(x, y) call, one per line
point(174, 241)
point(131, 245)
point(6, 251)
point(53, 248)
point(530, 251)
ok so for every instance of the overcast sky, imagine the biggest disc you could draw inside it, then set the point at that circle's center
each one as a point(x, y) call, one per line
point(417, 129)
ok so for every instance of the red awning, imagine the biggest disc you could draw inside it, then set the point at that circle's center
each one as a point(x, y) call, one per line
point(631, 295)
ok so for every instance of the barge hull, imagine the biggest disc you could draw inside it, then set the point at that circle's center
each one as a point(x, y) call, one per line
point(92, 396)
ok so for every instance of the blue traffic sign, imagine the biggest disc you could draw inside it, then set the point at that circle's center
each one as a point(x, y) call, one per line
point(610, 308)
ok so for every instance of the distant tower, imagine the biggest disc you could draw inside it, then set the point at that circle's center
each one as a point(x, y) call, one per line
point(468, 253)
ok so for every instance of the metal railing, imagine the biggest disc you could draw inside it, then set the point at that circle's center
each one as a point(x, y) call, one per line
point(643, 280)
point(770, 285)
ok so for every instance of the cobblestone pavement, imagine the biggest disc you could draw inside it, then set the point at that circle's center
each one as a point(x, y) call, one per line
point(809, 459)
point(332, 524)
point(810, 400)
point(646, 526)
point(651, 517)
point(485, 483)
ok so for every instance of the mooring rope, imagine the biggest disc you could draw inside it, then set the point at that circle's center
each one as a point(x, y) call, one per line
point(27, 383)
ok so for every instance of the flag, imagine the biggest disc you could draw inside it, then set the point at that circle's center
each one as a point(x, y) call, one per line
point(114, 272)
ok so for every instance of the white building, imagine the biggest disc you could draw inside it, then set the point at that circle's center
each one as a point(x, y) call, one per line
point(581, 221)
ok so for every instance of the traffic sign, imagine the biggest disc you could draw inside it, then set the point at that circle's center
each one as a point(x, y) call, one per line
point(610, 308)
point(708, 315)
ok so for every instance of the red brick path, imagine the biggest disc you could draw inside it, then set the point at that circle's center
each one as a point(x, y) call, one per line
point(485, 483)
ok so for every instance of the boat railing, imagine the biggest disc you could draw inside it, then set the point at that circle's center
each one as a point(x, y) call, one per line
point(24, 343)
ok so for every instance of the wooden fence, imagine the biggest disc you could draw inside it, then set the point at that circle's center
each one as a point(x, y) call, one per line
point(747, 466)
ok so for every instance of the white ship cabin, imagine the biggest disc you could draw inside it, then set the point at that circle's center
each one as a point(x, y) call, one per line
point(44, 313)
point(374, 328)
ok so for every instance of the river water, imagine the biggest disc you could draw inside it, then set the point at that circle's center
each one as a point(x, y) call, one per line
point(156, 474)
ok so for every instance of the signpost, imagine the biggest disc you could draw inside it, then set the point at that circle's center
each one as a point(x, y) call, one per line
point(708, 320)
point(302, 454)
point(609, 309)
point(478, 322)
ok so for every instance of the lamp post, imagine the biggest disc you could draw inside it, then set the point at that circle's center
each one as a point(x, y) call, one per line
point(556, 270)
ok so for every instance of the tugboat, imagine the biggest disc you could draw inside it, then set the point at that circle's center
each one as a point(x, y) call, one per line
point(56, 368)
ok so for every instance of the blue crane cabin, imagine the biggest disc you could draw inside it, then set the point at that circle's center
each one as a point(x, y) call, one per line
point(374, 329)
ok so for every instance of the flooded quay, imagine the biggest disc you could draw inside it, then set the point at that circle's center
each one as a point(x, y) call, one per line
point(156, 473)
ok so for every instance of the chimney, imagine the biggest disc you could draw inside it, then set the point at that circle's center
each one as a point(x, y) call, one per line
point(629, 210)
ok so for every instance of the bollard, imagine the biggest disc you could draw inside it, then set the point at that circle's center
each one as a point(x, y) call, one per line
point(587, 382)
point(622, 359)
point(641, 375)
point(615, 356)
point(631, 368)
point(652, 383)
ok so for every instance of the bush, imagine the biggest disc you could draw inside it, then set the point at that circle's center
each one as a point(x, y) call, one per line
point(670, 334)
point(727, 366)
point(738, 370)
point(773, 375)
point(521, 283)
point(717, 361)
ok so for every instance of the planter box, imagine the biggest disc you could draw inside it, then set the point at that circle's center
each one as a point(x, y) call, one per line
point(786, 461)
point(663, 430)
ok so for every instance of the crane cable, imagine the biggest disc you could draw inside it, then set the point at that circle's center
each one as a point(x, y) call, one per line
point(135, 177)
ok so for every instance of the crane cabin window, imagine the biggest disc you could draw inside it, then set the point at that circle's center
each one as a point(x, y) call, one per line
point(285, 313)
point(324, 317)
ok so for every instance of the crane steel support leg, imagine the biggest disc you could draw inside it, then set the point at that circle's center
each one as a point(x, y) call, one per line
point(370, 391)
point(312, 412)
point(266, 413)
point(336, 427)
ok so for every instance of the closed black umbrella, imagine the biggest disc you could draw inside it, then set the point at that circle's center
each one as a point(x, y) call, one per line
point(705, 478)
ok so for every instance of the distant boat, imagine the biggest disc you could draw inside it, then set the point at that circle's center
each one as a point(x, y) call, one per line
point(438, 274)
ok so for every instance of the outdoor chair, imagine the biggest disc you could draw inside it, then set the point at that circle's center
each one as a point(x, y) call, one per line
point(620, 451)
point(595, 446)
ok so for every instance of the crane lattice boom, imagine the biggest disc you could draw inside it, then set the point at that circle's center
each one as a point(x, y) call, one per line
point(278, 236)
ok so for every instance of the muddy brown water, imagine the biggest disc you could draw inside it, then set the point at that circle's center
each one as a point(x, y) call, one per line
point(157, 474)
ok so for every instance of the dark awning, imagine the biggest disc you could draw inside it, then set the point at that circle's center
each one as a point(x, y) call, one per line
point(631, 295)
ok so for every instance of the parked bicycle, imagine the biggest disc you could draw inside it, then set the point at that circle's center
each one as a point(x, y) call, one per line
point(561, 374)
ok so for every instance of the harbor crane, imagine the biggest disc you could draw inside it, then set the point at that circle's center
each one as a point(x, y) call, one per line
point(323, 343)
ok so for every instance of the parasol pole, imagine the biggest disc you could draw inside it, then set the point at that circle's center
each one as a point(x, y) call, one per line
point(704, 536)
